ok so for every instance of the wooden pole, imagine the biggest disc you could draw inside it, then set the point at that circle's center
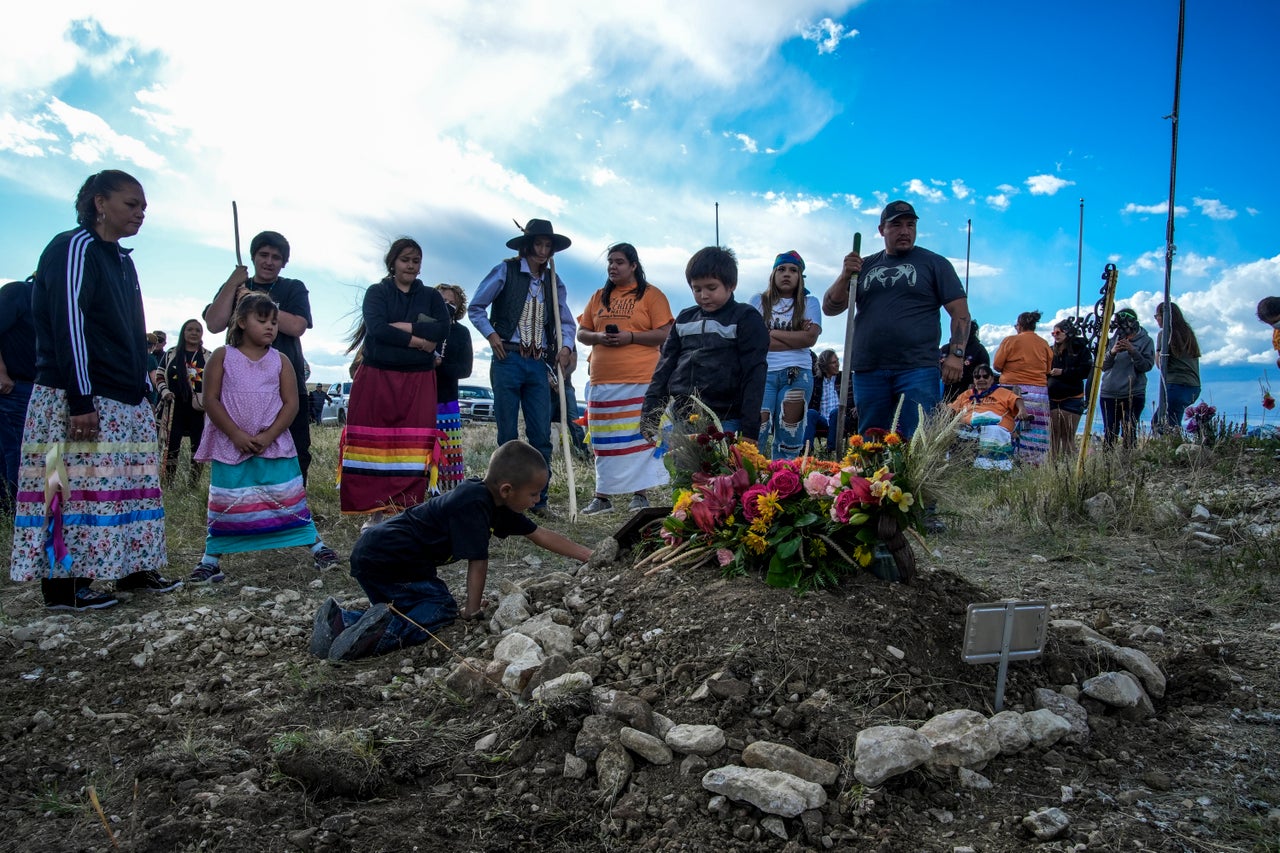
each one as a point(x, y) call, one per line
point(846, 376)
point(564, 407)
point(235, 221)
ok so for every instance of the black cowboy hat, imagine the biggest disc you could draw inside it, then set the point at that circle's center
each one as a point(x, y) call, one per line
point(539, 228)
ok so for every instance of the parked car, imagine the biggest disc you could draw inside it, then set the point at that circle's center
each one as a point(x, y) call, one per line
point(475, 403)
point(335, 411)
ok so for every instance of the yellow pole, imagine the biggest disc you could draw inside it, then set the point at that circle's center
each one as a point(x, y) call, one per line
point(1109, 275)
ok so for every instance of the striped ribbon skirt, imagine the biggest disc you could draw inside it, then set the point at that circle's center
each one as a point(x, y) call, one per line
point(258, 504)
point(112, 513)
point(624, 460)
point(391, 450)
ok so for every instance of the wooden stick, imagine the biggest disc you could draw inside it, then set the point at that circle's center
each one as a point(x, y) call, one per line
point(235, 221)
point(846, 375)
point(564, 408)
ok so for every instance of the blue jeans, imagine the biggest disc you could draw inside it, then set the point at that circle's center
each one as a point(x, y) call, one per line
point(427, 602)
point(789, 438)
point(876, 394)
point(13, 414)
point(1171, 408)
point(816, 420)
point(520, 385)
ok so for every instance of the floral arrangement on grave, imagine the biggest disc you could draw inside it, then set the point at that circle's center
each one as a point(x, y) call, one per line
point(1200, 422)
point(801, 523)
point(1268, 402)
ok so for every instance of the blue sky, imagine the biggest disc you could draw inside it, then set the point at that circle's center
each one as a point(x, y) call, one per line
point(446, 121)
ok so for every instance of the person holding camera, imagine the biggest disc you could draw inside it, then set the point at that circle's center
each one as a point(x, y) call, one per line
point(1123, 394)
point(625, 323)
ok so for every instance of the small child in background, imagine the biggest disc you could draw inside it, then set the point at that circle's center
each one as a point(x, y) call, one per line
point(453, 362)
point(716, 351)
point(256, 496)
point(395, 563)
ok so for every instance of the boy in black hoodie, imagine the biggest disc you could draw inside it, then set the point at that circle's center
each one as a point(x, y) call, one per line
point(716, 350)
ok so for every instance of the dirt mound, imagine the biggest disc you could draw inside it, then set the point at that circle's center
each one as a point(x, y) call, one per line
point(202, 724)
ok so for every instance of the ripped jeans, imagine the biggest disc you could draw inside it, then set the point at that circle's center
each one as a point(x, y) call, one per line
point(782, 413)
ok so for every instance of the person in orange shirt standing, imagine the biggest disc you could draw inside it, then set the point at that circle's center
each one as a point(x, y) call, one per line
point(1024, 361)
point(1269, 313)
point(625, 323)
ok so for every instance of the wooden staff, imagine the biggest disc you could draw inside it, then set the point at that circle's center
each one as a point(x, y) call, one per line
point(564, 407)
point(235, 220)
point(846, 379)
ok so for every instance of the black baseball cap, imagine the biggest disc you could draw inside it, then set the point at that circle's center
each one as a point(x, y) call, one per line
point(894, 209)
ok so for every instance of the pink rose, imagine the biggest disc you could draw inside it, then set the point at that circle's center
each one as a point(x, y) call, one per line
point(816, 484)
point(785, 482)
point(724, 556)
point(845, 503)
point(749, 508)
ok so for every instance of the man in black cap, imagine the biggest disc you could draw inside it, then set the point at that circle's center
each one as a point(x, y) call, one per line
point(512, 308)
point(896, 332)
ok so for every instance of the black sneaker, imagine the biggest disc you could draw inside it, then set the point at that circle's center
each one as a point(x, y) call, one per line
point(597, 506)
point(84, 598)
point(205, 573)
point(328, 625)
point(148, 581)
point(361, 639)
point(325, 557)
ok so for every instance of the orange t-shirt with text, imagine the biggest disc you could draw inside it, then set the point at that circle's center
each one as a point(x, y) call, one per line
point(632, 364)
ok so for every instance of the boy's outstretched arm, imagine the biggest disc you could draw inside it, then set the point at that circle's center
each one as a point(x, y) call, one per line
point(557, 544)
point(477, 574)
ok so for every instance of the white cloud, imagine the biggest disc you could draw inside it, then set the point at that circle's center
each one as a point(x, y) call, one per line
point(1214, 209)
point(601, 176)
point(977, 269)
point(928, 193)
point(748, 144)
point(999, 201)
point(94, 140)
point(1223, 314)
point(1046, 184)
point(1252, 211)
point(959, 190)
point(1009, 189)
point(23, 137)
point(826, 34)
point(1184, 263)
point(1159, 208)
point(801, 205)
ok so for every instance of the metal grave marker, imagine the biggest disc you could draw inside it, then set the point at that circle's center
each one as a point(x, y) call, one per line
point(1001, 631)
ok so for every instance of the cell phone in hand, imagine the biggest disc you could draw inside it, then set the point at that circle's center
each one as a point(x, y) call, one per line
point(611, 329)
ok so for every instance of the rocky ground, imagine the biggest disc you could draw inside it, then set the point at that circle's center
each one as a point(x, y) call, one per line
point(600, 709)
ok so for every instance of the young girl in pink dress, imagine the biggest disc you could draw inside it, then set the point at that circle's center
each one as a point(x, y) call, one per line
point(256, 496)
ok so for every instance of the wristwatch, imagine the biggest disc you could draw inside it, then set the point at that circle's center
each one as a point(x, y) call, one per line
point(958, 352)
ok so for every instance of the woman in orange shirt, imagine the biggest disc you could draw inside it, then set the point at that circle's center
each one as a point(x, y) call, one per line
point(993, 412)
point(1024, 361)
point(625, 323)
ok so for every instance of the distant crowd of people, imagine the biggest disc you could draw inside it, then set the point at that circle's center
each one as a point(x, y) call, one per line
point(94, 411)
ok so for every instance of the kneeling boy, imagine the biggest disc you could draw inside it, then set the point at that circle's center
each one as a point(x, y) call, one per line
point(395, 563)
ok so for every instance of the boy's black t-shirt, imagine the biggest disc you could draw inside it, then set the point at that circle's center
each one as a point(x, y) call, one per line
point(453, 526)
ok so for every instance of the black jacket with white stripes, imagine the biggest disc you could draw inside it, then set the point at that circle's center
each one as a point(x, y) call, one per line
point(91, 335)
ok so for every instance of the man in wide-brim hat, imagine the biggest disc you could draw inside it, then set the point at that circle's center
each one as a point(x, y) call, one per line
point(512, 308)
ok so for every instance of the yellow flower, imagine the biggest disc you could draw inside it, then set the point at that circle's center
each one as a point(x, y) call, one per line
point(873, 447)
point(863, 555)
point(904, 500)
point(755, 543)
point(878, 488)
point(694, 418)
point(768, 506)
point(730, 521)
point(684, 500)
point(817, 548)
point(759, 527)
point(893, 439)
point(752, 454)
